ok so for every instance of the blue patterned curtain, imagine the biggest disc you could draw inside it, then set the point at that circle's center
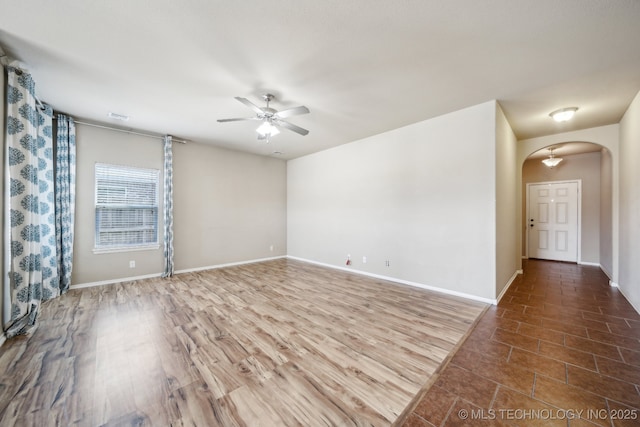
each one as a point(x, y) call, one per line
point(25, 269)
point(41, 201)
point(46, 190)
point(65, 197)
point(168, 207)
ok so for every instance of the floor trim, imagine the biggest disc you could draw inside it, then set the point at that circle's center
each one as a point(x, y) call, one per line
point(3, 338)
point(401, 281)
point(229, 264)
point(592, 264)
point(151, 276)
point(114, 281)
point(509, 283)
point(617, 286)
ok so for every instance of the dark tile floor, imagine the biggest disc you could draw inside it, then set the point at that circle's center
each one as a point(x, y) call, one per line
point(561, 348)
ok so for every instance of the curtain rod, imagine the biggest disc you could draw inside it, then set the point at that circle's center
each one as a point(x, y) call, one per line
point(41, 105)
point(19, 72)
point(148, 135)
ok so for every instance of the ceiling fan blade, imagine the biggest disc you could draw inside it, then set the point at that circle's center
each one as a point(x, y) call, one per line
point(251, 105)
point(292, 112)
point(290, 126)
point(237, 120)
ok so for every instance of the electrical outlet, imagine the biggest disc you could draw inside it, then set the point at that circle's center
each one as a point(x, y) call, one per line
point(387, 263)
point(132, 264)
point(364, 259)
point(271, 248)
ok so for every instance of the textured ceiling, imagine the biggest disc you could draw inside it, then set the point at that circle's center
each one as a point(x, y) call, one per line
point(361, 66)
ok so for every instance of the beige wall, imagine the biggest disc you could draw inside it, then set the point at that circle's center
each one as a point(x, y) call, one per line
point(606, 212)
point(228, 206)
point(585, 167)
point(629, 279)
point(95, 145)
point(422, 196)
point(507, 217)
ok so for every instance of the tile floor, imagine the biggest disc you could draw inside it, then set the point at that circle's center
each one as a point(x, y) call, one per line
point(561, 348)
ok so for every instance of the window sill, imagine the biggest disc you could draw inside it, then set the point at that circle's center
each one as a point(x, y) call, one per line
point(98, 251)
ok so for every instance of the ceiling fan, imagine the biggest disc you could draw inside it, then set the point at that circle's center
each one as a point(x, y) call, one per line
point(271, 119)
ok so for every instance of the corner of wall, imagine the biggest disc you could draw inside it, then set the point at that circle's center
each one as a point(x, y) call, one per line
point(377, 202)
point(508, 258)
point(629, 204)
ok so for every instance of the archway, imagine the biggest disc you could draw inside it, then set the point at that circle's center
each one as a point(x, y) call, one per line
point(592, 164)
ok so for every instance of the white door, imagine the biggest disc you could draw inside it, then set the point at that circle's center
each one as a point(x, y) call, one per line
point(553, 220)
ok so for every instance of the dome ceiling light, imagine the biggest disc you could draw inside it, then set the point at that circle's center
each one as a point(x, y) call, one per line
point(563, 114)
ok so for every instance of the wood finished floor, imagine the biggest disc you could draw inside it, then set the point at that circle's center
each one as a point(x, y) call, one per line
point(562, 345)
point(280, 343)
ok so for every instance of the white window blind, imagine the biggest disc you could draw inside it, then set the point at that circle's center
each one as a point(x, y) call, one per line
point(126, 207)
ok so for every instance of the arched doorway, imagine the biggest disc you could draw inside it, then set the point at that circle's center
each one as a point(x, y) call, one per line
point(590, 165)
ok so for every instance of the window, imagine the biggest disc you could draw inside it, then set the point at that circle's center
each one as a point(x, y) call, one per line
point(126, 208)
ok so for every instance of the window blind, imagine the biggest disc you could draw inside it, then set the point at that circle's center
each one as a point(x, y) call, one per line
point(126, 206)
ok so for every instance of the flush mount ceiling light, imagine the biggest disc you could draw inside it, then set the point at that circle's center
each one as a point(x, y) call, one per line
point(563, 114)
point(552, 161)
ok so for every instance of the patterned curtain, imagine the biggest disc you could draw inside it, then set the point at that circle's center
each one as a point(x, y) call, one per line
point(168, 207)
point(46, 189)
point(41, 201)
point(65, 197)
point(25, 269)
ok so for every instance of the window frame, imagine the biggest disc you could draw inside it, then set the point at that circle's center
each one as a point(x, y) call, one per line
point(154, 175)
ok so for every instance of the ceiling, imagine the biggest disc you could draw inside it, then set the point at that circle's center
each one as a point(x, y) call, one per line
point(362, 67)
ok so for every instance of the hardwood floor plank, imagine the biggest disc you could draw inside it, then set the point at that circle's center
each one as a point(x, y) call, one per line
point(277, 343)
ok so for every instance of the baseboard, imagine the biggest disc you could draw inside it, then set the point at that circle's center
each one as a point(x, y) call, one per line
point(151, 276)
point(616, 285)
point(3, 338)
point(400, 281)
point(114, 281)
point(607, 273)
point(604, 270)
point(230, 264)
point(509, 283)
point(592, 264)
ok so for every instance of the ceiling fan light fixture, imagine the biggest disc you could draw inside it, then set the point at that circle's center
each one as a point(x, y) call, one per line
point(268, 116)
point(267, 129)
point(563, 114)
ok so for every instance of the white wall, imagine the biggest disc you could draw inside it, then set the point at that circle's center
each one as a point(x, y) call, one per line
point(585, 167)
point(422, 196)
point(507, 218)
point(228, 206)
point(629, 279)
